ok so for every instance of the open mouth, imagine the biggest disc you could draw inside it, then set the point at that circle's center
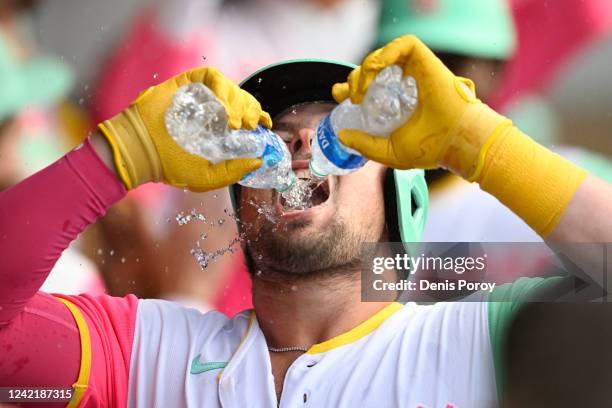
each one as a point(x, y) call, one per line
point(320, 194)
point(309, 192)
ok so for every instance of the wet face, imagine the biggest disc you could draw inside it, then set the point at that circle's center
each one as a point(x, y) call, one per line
point(327, 235)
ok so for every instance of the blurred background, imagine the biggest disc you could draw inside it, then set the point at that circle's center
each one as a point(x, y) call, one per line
point(85, 32)
point(66, 65)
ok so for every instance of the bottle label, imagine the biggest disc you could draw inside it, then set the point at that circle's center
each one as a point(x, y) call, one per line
point(333, 149)
point(272, 154)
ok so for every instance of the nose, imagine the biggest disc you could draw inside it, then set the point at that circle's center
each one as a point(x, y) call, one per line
point(301, 142)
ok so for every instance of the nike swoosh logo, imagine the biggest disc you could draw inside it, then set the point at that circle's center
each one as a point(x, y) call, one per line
point(197, 367)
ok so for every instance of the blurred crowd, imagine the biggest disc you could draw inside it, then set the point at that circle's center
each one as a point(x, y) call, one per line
point(514, 51)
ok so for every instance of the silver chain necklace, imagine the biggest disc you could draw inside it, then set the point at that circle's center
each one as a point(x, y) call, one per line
point(286, 349)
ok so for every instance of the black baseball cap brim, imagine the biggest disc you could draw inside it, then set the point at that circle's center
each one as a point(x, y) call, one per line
point(282, 85)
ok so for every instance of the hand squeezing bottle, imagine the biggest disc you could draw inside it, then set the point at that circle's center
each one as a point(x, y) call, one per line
point(198, 123)
point(389, 102)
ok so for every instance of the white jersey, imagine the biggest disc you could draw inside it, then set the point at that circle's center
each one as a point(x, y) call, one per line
point(441, 355)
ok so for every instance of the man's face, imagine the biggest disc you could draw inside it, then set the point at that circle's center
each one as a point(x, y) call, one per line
point(344, 212)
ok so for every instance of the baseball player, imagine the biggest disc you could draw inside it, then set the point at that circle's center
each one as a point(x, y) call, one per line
point(310, 340)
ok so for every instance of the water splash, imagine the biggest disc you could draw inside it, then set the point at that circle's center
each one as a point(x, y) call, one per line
point(203, 258)
point(298, 197)
point(265, 209)
point(194, 215)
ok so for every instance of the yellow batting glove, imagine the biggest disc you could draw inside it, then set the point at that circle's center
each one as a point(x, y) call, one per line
point(145, 152)
point(449, 125)
point(451, 128)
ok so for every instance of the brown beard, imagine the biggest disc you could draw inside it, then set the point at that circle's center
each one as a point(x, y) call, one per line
point(331, 251)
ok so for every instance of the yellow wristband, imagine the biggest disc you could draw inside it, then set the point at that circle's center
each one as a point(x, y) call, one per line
point(136, 158)
point(535, 183)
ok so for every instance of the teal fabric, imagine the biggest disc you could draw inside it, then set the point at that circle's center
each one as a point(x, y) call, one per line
point(478, 28)
point(36, 81)
point(412, 204)
point(596, 164)
point(504, 303)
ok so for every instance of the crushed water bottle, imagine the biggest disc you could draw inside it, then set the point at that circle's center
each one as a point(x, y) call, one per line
point(197, 121)
point(389, 102)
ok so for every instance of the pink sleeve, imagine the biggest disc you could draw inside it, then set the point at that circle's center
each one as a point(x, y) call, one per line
point(42, 215)
point(111, 322)
point(39, 337)
point(41, 347)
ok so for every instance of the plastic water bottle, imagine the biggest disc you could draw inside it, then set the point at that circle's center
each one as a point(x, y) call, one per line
point(197, 121)
point(389, 102)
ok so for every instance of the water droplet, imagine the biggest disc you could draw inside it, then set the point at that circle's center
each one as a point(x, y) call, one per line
point(81, 101)
point(294, 288)
point(258, 273)
point(137, 260)
point(265, 209)
point(221, 221)
point(99, 251)
point(215, 195)
point(203, 58)
point(122, 260)
point(259, 80)
point(112, 252)
point(86, 87)
point(182, 218)
point(155, 75)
